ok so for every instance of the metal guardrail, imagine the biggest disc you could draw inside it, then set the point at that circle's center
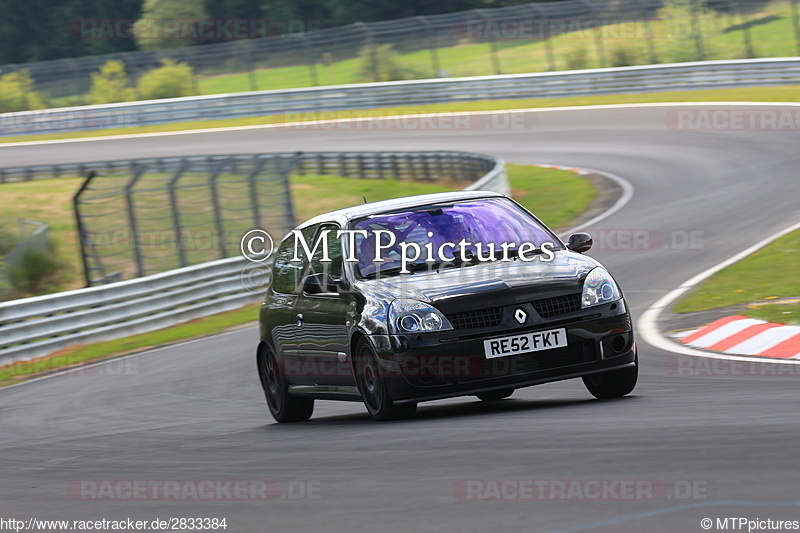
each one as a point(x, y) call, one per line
point(38, 326)
point(298, 104)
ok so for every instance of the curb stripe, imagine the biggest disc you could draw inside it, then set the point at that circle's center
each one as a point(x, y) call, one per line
point(744, 335)
point(786, 349)
point(689, 339)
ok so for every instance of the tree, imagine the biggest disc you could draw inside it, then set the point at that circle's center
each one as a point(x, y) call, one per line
point(168, 24)
point(111, 84)
point(170, 80)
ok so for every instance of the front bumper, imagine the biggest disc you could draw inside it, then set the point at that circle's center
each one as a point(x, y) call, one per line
point(453, 363)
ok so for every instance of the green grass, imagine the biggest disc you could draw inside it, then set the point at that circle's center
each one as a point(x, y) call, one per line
point(782, 313)
point(556, 196)
point(763, 276)
point(752, 94)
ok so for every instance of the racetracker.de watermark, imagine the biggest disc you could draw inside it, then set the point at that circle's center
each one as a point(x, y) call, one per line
point(193, 490)
point(686, 366)
point(181, 29)
point(423, 121)
point(707, 119)
point(579, 489)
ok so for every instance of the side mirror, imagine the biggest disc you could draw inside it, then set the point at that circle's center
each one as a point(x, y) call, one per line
point(580, 242)
point(321, 283)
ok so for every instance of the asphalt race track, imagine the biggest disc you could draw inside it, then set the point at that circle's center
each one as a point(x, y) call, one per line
point(720, 443)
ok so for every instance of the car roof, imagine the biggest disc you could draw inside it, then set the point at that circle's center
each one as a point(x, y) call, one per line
point(343, 216)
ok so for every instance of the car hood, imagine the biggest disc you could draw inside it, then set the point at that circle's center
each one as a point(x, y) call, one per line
point(488, 284)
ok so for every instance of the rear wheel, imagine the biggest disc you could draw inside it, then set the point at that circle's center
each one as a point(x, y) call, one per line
point(373, 388)
point(495, 395)
point(283, 406)
point(613, 384)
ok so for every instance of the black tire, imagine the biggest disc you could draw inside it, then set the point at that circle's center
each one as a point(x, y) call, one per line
point(613, 384)
point(283, 406)
point(373, 388)
point(495, 395)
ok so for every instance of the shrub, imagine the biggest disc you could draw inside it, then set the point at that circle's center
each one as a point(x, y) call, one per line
point(170, 80)
point(110, 84)
point(17, 94)
point(622, 56)
point(577, 58)
point(35, 271)
point(383, 61)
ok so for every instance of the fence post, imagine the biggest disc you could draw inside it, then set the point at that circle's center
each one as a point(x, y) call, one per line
point(795, 25)
point(215, 204)
point(545, 33)
point(648, 28)
point(83, 236)
point(369, 39)
point(258, 164)
point(137, 252)
point(492, 43)
point(251, 74)
point(430, 38)
point(748, 39)
point(312, 62)
point(696, 32)
point(598, 34)
point(176, 216)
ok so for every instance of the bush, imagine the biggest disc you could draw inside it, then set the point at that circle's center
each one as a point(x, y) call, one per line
point(34, 273)
point(110, 84)
point(622, 56)
point(170, 80)
point(17, 94)
point(385, 60)
point(577, 58)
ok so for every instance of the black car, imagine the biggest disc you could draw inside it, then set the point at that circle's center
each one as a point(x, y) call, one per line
point(493, 302)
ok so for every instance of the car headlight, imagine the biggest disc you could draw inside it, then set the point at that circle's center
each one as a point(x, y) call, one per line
point(413, 316)
point(599, 288)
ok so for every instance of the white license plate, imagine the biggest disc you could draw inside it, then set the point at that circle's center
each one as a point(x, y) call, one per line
point(529, 342)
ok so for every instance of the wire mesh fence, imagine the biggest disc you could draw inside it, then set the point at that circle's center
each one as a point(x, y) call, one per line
point(570, 34)
point(143, 217)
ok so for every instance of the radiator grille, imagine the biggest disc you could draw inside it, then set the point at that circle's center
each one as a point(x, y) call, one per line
point(481, 318)
point(560, 305)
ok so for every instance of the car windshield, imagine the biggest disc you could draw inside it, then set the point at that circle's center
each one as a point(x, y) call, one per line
point(438, 231)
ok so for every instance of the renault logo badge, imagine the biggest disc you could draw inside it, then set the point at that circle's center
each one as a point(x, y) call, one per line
point(521, 316)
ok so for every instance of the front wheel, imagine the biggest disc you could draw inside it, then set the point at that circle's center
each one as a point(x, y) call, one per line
point(283, 406)
point(373, 388)
point(614, 383)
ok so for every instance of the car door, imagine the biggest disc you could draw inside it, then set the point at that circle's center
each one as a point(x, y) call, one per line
point(322, 329)
point(280, 309)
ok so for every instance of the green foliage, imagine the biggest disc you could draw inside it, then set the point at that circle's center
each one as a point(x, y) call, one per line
point(17, 94)
point(34, 273)
point(623, 56)
point(382, 63)
point(170, 80)
point(577, 58)
point(110, 84)
point(7, 241)
point(149, 31)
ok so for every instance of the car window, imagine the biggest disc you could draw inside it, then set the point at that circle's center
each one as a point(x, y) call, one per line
point(485, 221)
point(287, 274)
point(334, 267)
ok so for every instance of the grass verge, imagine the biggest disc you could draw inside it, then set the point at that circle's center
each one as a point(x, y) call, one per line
point(556, 196)
point(753, 283)
point(753, 94)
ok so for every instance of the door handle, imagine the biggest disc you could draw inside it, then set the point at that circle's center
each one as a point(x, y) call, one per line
point(299, 319)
